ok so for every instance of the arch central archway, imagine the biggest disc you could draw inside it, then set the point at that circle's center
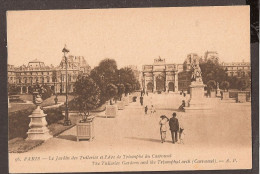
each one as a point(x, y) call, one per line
point(150, 87)
point(171, 86)
point(160, 83)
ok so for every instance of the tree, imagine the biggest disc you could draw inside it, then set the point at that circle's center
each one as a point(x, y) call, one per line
point(44, 91)
point(107, 68)
point(127, 76)
point(128, 88)
point(47, 92)
point(224, 85)
point(111, 92)
point(121, 90)
point(212, 71)
point(242, 84)
point(105, 73)
point(87, 95)
point(12, 89)
point(211, 85)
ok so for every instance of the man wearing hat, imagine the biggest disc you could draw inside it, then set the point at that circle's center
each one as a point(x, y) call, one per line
point(174, 127)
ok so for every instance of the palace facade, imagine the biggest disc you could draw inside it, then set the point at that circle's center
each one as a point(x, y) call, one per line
point(27, 76)
point(238, 69)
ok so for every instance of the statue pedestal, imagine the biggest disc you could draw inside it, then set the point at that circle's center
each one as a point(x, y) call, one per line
point(218, 93)
point(38, 129)
point(197, 99)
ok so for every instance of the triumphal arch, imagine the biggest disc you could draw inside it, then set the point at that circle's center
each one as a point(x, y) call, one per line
point(160, 77)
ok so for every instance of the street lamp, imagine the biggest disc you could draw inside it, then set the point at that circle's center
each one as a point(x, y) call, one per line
point(67, 122)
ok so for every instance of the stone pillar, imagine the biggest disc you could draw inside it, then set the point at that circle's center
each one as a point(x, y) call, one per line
point(154, 83)
point(21, 90)
point(27, 90)
point(176, 82)
point(166, 83)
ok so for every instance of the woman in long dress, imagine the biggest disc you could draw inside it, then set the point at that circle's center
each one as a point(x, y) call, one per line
point(163, 127)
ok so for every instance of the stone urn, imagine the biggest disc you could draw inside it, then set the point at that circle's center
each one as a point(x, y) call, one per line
point(38, 125)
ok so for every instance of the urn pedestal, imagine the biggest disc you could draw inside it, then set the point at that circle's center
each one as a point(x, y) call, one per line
point(111, 110)
point(120, 105)
point(38, 129)
point(218, 93)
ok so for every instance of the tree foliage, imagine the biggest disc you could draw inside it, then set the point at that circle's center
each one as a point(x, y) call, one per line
point(107, 74)
point(242, 84)
point(87, 95)
point(211, 85)
point(44, 90)
point(212, 71)
point(13, 90)
point(121, 90)
point(128, 78)
point(224, 85)
point(128, 88)
point(111, 92)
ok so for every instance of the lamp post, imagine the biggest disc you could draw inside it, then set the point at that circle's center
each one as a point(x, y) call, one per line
point(67, 122)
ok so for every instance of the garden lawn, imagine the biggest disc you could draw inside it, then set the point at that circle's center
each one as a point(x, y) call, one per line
point(17, 107)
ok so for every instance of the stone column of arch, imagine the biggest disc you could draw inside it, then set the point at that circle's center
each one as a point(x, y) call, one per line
point(154, 83)
point(166, 82)
point(176, 81)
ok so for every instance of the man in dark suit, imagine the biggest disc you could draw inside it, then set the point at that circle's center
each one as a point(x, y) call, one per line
point(174, 127)
point(141, 100)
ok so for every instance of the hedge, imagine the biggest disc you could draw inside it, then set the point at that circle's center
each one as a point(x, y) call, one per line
point(19, 121)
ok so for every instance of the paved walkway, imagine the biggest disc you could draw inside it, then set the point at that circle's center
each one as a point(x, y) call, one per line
point(210, 134)
point(224, 125)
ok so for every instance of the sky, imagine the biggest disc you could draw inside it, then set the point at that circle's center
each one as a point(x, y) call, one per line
point(132, 36)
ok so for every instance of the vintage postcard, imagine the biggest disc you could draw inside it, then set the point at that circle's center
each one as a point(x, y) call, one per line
point(131, 89)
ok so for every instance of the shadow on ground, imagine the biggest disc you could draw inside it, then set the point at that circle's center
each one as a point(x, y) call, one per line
point(145, 139)
point(68, 137)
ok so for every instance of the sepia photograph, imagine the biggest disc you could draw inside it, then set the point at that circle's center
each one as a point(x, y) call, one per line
point(129, 89)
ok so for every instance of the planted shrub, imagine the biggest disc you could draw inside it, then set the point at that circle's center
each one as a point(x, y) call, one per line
point(19, 121)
